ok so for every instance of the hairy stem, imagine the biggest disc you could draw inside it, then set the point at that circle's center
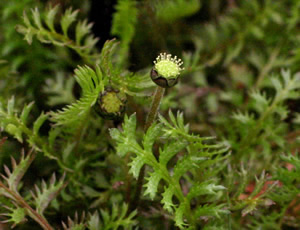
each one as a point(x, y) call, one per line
point(158, 95)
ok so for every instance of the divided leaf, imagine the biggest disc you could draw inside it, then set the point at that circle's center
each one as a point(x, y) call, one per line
point(119, 217)
point(126, 139)
point(204, 188)
point(170, 150)
point(179, 213)
point(151, 136)
point(166, 200)
point(92, 83)
point(185, 164)
point(135, 165)
point(16, 216)
point(198, 155)
point(211, 210)
point(83, 43)
point(151, 185)
point(14, 177)
point(67, 19)
point(47, 193)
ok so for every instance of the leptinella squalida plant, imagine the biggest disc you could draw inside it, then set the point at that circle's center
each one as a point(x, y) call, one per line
point(102, 137)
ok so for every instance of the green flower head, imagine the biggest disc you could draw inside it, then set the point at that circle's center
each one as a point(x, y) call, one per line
point(111, 104)
point(166, 70)
point(168, 67)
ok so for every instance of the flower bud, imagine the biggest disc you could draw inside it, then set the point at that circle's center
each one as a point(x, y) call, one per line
point(111, 104)
point(166, 70)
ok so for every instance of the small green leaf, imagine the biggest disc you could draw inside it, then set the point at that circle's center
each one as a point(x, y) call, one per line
point(46, 194)
point(15, 131)
point(39, 122)
point(179, 213)
point(18, 170)
point(92, 84)
point(130, 126)
point(17, 216)
point(211, 210)
point(94, 222)
point(11, 106)
point(204, 188)
point(25, 112)
point(152, 183)
point(82, 29)
point(172, 10)
point(185, 164)
point(115, 134)
point(151, 135)
point(67, 19)
point(170, 150)
point(167, 196)
point(135, 165)
point(50, 16)
point(37, 18)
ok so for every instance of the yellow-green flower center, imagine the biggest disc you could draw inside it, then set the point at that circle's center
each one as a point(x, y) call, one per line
point(111, 102)
point(167, 69)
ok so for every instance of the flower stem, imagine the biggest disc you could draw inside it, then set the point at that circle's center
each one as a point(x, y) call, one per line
point(158, 95)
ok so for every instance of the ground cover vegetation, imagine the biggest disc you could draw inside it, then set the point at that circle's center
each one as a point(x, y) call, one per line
point(185, 116)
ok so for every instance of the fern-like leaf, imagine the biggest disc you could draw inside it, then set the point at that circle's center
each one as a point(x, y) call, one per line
point(123, 25)
point(197, 155)
point(15, 216)
point(114, 220)
point(211, 210)
point(76, 223)
point(92, 83)
point(14, 177)
point(46, 194)
point(16, 125)
point(83, 43)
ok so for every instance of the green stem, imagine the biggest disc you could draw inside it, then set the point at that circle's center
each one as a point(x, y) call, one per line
point(158, 95)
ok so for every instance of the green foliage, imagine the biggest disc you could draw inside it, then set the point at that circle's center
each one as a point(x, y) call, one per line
point(290, 180)
point(235, 165)
point(268, 108)
point(83, 43)
point(123, 25)
point(170, 10)
point(114, 220)
point(92, 83)
point(118, 218)
point(17, 216)
point(199, 156)
point(59, 90)
point(46, 194)
point(18, 170)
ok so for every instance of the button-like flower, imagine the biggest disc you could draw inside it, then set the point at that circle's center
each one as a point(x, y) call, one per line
point(166, 70)
point(111, 104)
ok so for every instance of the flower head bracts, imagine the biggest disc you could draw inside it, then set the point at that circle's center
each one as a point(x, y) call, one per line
point(166, 70)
